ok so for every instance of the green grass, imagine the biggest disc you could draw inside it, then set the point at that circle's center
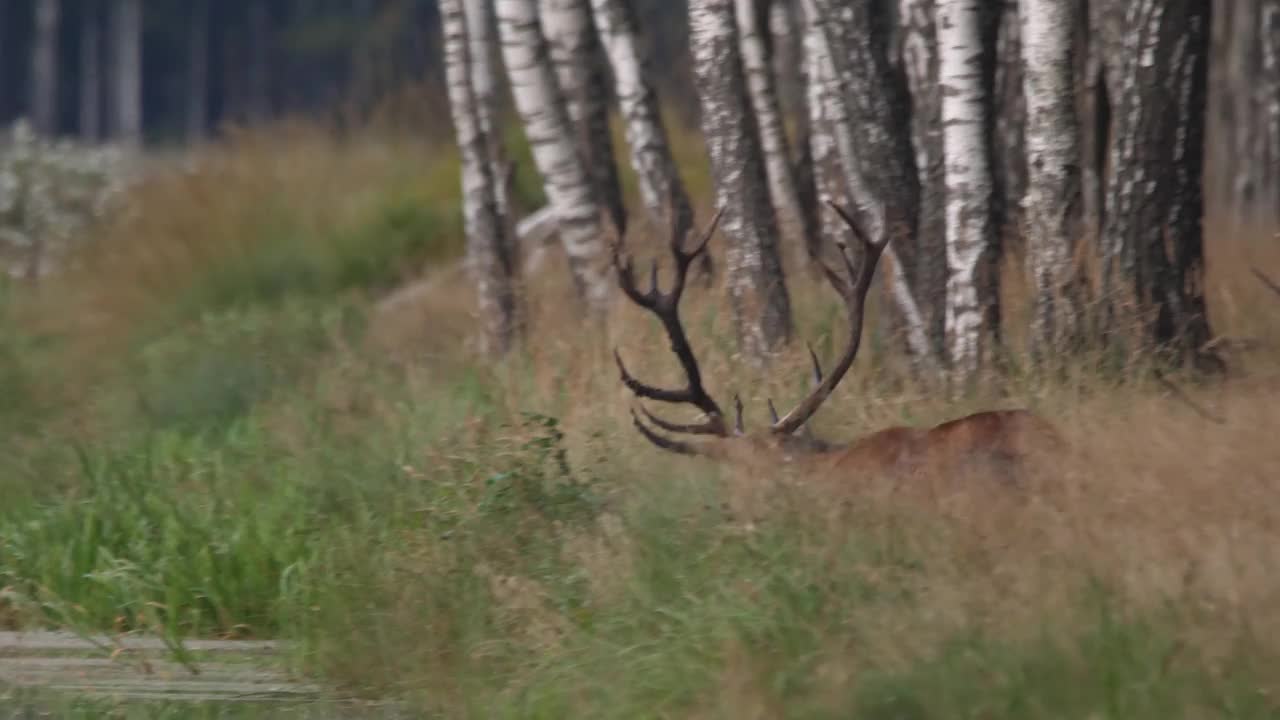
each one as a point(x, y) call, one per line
point(250, 458)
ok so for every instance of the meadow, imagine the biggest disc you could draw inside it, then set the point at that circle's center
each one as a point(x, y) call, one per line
point(230, 420)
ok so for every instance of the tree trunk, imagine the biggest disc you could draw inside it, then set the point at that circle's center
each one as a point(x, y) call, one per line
point(917, 19)
point(1006, 126)
point(90, 71)
point(1095, 118)
point(758, 68)
point(753, 268)
point(565, 179)
point(581, 72)
point(197, 90)
point(259, 62)
point(972, 299)
point(126, 30)
point(1269, 86)
point(44, 67)
point(868, 111)
point(1053, 208)
point(1244, 113)
point(489, 261)
point(484, 81)
point(661, 190)
point(1152, 245)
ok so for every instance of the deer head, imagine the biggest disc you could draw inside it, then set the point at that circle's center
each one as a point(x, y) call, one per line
point(713, 429)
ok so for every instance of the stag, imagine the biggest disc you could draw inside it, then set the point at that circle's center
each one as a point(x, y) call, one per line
point(1004, 437)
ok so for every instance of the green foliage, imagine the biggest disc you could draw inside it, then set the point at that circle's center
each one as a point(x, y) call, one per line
point(215, 371)
point(289, 258)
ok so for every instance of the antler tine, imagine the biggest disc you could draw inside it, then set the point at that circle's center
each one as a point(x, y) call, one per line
point(817, 366)
point(773, 411)
point(703, 428)
point(1271, 284)
point(737, 413)
point(684, 259)
point(662, 442)
point(855, 300)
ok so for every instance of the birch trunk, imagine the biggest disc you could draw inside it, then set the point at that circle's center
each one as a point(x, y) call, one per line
point(1152, 246)
point(1270, 93)
point(661, 189)
point(44, 67)
point(1095, 118)
point(758, 68)
point(482, 49)
point(1245, 113)
point(580, 70)
point(126, 36)
point(867, 109)
point(971, 287)
point(491, 266)
point(918, 27)
point(90, 110)
point(753, 268)
point(566, 181)
point(1053, 204)
point(1007, 124)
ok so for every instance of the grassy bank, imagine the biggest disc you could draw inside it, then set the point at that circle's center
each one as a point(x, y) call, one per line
point(216, 427)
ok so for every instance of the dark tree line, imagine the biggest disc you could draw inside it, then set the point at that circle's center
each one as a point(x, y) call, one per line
point(64, 64)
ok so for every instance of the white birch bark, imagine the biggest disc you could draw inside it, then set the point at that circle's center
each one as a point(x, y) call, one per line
point(584, 87)
point(919, 58)
point(753, 268)
point(568, 187)
point(1270, 97)
point(1053, 201)
point(757, 66)
point(492, 268)
point(970, 236)
point(1153, 245)
point(482, 51)
point(865, 117)
point(44, 67)
point(661, 189)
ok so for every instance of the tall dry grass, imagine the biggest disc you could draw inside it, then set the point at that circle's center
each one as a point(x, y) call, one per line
point(393, 504)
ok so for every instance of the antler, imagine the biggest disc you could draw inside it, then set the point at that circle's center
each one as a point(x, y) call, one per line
point(667, 307)
point(854, 293)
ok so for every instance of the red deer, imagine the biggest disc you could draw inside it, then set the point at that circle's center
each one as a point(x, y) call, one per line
point(1002, 436)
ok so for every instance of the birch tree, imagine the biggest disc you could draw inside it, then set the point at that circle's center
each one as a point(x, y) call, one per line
point(1053, 204)
point(661, 189)
point(919, 48)
point(1152, 245)
point(489, 261)
point(1244, 109)
point(44, 67)
point(866, 110)
point(584, 86)
point(536, 94)
point(753, 29)
point(971, 320)
point(757, 292)
point(482, 56)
